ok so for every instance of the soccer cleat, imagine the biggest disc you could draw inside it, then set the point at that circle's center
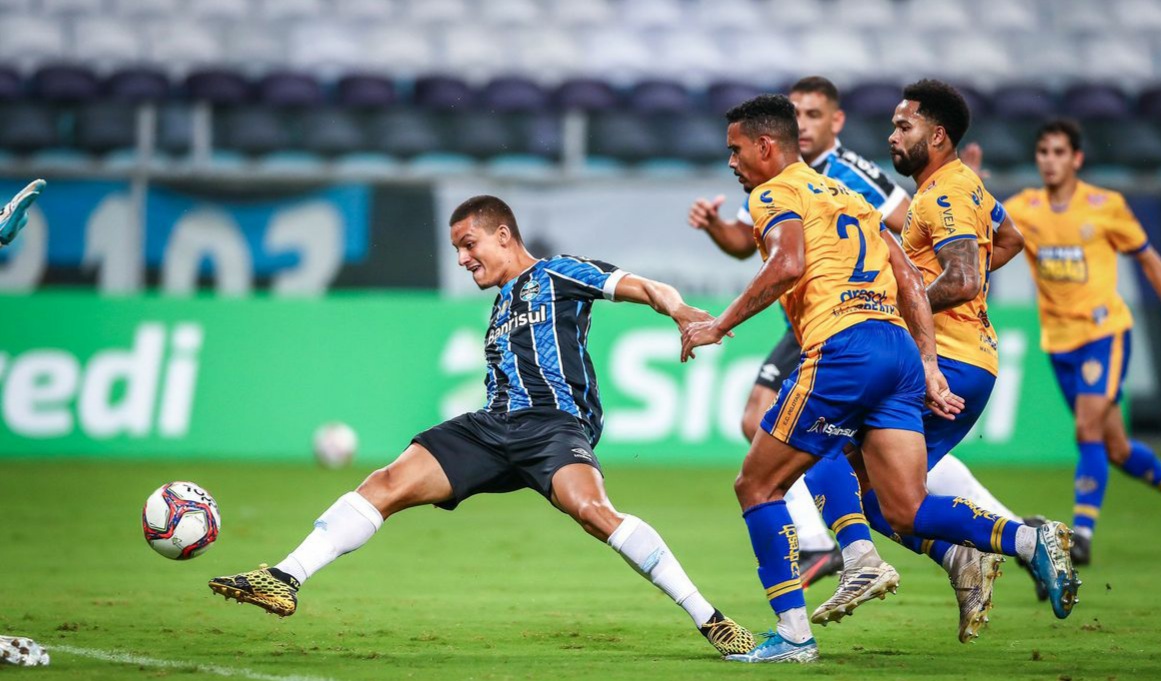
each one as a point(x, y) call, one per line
point(1041, 590)
point(814, 565)
point(261, 588)
point(14, 215)
point(1053, 566)
point(22, 652)
point(777, 649)
point(857, 586)
point(973, 574)
point(1081, 551)
point(726, 635)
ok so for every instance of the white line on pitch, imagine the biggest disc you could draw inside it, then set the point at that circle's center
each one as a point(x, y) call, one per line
point(218, 670)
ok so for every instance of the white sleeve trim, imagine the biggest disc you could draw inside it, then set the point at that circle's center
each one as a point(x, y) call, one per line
point(610, 288)
point(892, 202)
point(744, 217)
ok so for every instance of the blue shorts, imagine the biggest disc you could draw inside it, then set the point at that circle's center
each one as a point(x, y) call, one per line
point(868, 376)
point(1096, 368)
point(971, 383)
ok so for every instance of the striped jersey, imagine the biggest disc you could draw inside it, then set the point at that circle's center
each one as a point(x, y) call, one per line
point(859, 175)
point(536, 345)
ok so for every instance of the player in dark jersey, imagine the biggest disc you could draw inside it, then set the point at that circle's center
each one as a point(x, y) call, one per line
point(537, 430)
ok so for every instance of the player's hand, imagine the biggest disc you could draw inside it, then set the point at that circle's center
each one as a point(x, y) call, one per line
point(14, 216)
point(940, 399)
point(973, 157)
point(698, 334)
point(687, 314)
point(705, 214)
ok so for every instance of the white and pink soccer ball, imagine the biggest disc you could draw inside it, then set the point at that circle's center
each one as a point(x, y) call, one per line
point(335, 444)
point(180, 520)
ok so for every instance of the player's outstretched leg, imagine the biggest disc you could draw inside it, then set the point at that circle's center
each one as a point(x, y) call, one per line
point(415, 478)
point(577, 489)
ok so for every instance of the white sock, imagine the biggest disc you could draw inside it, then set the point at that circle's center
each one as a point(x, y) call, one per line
point(1085, 532)
point(342, 528)
point(793, 625)
point(860, 552)
point(1026, 542)
point(950, 556)
point(951, 478)
point(644, 549)
point(812, 532)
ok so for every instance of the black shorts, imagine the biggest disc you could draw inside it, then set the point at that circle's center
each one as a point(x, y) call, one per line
point(484, 452)
point(781, 362)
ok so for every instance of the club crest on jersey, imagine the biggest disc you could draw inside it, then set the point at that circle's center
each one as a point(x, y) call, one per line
point(530, 290)
point(1097, 199)
point(1091, 371)
point(1087, 231)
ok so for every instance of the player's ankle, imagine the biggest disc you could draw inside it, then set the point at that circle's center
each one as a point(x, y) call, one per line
point(860, 553)
point(794, 626)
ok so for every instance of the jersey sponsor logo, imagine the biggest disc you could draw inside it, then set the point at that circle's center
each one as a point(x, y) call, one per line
point(977, 512)
point(830, 429)
point(1062, 263)
point(582, 453)
point(948, 215)
point(791, 534)
point(769, 372)
point(1091, 371)
point(517, 321)
point(811, 187)
point(870, 300)
point(531, 290)
point(765, 197)
point(943, 202)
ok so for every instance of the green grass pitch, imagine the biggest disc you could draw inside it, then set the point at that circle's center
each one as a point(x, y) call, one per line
point(508, 588)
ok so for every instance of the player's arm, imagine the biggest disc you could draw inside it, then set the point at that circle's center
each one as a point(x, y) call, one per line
point(895, 220)
point(735, 237)
point(916, 312)
point(1150, 263)
point(1007, 242)
point(785, 244)
point(960, 280)
point(661, 297)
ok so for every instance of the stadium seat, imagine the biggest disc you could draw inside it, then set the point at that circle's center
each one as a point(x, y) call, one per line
point(699, 138)
point(217, 86)
point(652, 14)
point(364, 11)
point(30, 40)
point(437, 12)
point(978, 103)
point(936, 16)
point(690, 56)
point(1149, 103)
point(905, 60)
point(58, 8)
point(331, 131)
point(724, 95)
point(1018, 101)
point(289, 89)
point(1053, 63)
point(625, 137)
point(778, 60)
point(1005, 15)
point(1095, 101)
point(443, 93)
point(252, 130)
point(365, 91)
point(137, 85)
point(11, 86)
point(480, 135)
point(1131, 143)
point(27, 127)
point(325, 47)
point(511, 94)
point(403, 133)
point(282, 10)
point(1140, 14)
point(106, 42)
point(586, 94)
point(660, 96)
point(539, 134)
point(872, 99)
point(792, 16)
point(837, 53)
point(975, 57)
point(867, 135)
point(65, 83)
point(1079, 15)
point(134, 10)
point(1005, 143)
point(102, 127)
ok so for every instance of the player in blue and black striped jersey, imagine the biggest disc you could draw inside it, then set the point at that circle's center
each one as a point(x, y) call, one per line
point(537, 430)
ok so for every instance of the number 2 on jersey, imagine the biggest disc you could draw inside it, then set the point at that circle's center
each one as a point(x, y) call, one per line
point(859, 275)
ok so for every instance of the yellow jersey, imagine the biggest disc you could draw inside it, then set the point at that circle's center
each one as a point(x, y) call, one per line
point(847, 276)
point(1073, 255)
point(952, 205)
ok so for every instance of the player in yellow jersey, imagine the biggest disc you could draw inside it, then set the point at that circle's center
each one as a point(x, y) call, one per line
point(1075, 232)
point(850, 295)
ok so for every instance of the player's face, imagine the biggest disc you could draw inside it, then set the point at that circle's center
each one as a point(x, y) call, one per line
point(819, 123)
point(745, 153)
point(1056, 160)
point(909, 140)
point(480, 252)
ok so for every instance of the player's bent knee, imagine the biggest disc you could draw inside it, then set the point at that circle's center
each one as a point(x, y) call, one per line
point(900, 516)
point(751, 491)
point(597, 517)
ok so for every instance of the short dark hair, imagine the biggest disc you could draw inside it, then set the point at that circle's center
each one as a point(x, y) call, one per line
point(941, 104)
point(771, 115)
point(817, 84)
point(492, 211)
point(1062, 126)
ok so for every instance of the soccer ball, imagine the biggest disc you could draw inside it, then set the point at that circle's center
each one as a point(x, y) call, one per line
point(180, 520)
point(335, 444)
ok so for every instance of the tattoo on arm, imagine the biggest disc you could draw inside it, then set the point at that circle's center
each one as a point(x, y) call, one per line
point(960, 280)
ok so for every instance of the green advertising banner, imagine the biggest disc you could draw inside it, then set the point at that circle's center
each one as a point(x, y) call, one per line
point(215, 377)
